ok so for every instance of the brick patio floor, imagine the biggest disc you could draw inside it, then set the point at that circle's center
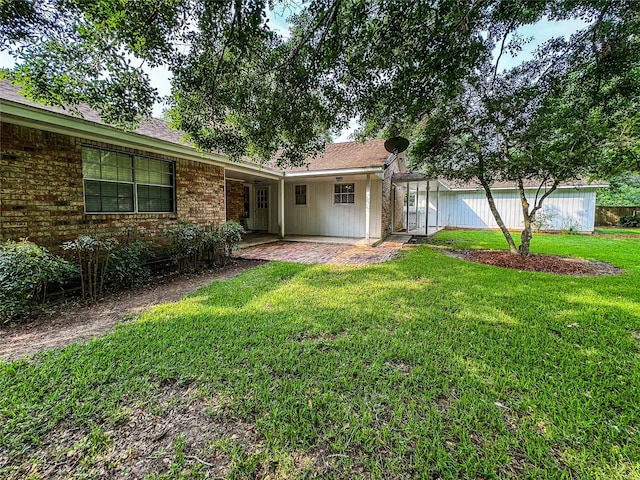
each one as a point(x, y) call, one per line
point(304, 252)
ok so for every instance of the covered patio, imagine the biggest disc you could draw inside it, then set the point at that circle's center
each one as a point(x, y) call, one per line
point(314, 252)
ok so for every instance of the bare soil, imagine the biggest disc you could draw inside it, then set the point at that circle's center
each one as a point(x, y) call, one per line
point(536, 263)
point(150, 439)
point(73, 321)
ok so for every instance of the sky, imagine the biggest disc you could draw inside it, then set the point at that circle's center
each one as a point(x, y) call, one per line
point(540, 33)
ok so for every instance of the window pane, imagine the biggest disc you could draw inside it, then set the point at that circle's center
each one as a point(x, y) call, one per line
point(142, 163)
point(109, 158)
point(155, 177)
point(124, 161)
point(109, 204)
point(92, 203)
point(125, 175)
point(109, 189)
point(125, 190)
point(125, 204)
point(90, 155)
point(167, 179)
point(109, 173)
point(91, 188)
point(91, 170)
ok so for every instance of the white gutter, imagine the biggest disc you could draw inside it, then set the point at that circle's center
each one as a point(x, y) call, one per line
point(336, 172)
point(559, 187)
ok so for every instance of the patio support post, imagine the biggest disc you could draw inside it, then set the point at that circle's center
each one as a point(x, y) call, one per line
point(407, 201)
point(426, 213)
point(393, 208)
point(437, 204)
point(281, 206)
point(367, 212)
point(416, 203)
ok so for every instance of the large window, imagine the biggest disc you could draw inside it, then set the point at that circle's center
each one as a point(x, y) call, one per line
point(116, 182)
point(301, 194)
point(344, 193)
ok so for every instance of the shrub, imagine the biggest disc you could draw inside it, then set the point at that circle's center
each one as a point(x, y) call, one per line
point(213, 247)
point(128, 265)
point(92, 256)
point(231, 234)
point(543, 220)
point(185, 245)
point(26, 270)
point(630, 221)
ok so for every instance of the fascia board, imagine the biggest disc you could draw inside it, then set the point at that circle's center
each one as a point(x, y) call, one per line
point(333, 173)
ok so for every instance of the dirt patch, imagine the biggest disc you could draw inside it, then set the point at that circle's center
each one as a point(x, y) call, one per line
point(75, 322)
point(178, 434)
point(536, 263)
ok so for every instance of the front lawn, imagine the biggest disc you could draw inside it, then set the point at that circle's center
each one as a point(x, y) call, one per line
point(426, 366)
point(616, 231)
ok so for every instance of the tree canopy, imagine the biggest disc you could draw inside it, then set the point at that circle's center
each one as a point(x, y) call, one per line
point(240, 87)
point(427, 69)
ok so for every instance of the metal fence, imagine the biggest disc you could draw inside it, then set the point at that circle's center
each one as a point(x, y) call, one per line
point(609, 216)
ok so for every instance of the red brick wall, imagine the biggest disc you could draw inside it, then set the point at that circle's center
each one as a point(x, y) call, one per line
point(41, 191)
point(235, 201)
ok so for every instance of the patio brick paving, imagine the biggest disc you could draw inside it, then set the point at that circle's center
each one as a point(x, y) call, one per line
point(305, 252)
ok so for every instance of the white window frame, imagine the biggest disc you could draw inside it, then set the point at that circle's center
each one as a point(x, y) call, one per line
point(306, 195)
point(337, 195)
point(134, 184)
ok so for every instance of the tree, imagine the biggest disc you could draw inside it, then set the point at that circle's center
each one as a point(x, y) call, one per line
point(238, 86)
point(241, 88)
point(553, 119)
point(623, 191)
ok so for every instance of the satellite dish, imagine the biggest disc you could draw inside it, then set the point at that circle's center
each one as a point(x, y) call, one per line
point(396, 145)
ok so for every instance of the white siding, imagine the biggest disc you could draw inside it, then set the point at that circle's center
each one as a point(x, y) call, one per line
point(321, 217)
point(568, 208)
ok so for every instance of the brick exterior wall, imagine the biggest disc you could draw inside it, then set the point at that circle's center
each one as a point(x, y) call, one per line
point(235, 201)
point(41, 191)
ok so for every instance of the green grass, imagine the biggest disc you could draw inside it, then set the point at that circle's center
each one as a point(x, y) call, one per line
point(426, 366)
point(616, 231)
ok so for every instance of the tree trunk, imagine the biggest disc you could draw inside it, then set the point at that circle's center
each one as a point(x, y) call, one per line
point(492, 206)
point(525, 236)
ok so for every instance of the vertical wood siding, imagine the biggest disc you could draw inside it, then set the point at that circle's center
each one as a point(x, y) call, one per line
point(568, 208)
point(321, 217)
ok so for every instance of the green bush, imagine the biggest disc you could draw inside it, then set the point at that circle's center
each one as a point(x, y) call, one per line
point(629, 221)
point(128, 265)
point(92, 256)
point(26, 270)
point(213, 248)
point(185, 245)
point(231, 234)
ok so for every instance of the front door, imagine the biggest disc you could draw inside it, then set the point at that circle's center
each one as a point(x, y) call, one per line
point(262, 209)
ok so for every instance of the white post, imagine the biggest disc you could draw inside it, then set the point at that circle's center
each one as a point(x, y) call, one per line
point(367, 212)
point(437, 204)
point(281, 206)
point(408, 195)
point(426, 219)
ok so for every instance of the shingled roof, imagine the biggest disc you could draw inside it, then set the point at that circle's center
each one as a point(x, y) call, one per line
point(473, 185)
point(337, 156)
point(154, 128)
